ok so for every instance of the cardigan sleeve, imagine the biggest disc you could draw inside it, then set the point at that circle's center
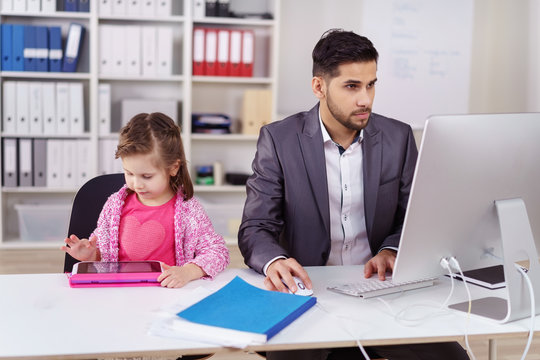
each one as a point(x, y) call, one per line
point(202, 245)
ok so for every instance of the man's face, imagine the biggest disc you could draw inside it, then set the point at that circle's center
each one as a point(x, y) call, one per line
point(349, 96)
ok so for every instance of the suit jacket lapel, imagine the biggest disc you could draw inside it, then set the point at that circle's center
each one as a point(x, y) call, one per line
point(313, 154)
point(372, 149)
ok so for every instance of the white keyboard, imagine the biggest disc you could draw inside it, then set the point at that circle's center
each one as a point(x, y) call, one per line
point(367, 288)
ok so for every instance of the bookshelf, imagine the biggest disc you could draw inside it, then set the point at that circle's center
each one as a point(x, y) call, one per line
point(208, 94)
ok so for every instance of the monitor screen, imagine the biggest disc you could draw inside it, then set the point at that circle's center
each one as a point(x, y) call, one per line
point(465, 164)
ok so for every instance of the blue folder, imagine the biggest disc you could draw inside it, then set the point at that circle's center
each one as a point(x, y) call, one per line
point(7, 36)
point(84, 5)
point(70, 5)
point(30, 48)
point(55, 49)
point(17, 47)
point(73, 47)
point(42, 48)
point(241, 306)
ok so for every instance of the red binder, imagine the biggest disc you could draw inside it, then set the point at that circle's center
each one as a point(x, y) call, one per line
point(235, 52)
point(248, 53)
point(223, 65)
point(198, 51)
point(210, 52)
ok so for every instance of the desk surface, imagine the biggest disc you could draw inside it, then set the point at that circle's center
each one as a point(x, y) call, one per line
point(41, 316)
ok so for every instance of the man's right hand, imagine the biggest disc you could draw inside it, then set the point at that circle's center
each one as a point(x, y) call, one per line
point(285, 269)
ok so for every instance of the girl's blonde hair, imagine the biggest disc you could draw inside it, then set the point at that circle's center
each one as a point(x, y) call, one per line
point(156, 132)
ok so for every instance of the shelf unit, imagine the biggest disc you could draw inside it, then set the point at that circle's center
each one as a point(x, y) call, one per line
point(194, 93)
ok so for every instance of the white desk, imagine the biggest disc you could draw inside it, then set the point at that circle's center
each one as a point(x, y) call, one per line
point(41, 316)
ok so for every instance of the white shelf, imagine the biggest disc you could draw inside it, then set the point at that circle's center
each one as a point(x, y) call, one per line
point(223, 137)
point(221, 94)
point(232, 80)
point(57, 15)
point(45, 75)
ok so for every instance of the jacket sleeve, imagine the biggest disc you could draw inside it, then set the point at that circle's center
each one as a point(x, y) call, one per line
point(262, 220)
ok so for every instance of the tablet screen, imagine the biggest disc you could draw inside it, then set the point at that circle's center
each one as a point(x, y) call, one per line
point(118, 267)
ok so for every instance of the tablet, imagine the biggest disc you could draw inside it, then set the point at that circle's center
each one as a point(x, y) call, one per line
point(120, 273)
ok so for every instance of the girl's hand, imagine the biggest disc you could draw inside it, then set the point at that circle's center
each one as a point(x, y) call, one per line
point(82, 249)
point(178, 276)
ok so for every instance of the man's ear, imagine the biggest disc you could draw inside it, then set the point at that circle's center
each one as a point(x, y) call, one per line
point(318, 86)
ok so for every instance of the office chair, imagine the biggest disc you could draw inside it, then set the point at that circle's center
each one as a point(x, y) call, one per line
point(87, 206)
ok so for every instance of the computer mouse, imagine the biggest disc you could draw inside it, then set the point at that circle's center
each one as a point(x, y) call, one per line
point(301, 288)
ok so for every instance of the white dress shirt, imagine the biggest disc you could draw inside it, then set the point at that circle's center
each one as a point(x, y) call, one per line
point(348, 234)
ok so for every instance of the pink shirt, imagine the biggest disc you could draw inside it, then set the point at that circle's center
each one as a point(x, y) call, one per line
point(146, 232)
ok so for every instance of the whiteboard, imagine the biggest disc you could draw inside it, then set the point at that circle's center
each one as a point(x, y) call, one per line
point(424, 56)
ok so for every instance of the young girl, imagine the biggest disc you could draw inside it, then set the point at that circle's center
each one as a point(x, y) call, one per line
point(155, 216)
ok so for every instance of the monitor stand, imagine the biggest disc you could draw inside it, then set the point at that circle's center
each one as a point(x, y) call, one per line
point(517, 245)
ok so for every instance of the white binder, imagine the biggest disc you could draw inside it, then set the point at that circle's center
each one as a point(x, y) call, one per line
point(33, 6)
point(19, 5)
point(119, 46)
point(54, 163)
point(83, 161)
point(105, 7)
point(106, 49)
point(76, 108)
point(133, 51)
point(9, 163)
point(48, 6)
point(164, 50)
point(104, 109)
point(134, 7)
point(62, 108)
point(163, 8)
point(148, 36)
point(49, 107)
point(7, 5)
point(119, 7)
point(149, 7)
point(25, 162)
point(9, 102)
point(36, 108)
point(23, 107)
point(68, 172)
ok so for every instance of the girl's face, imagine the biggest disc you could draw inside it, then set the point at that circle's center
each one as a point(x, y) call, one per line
point(149, 182)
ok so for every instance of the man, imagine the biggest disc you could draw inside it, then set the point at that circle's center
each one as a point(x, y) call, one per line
point(331, 185)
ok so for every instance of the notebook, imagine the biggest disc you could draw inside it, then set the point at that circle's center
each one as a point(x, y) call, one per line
point(371, 287)
point(241, 309)
point(119, 273)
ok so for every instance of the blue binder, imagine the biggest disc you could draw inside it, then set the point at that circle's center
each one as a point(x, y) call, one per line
point(7, 36)
point(84, 5)
point(42, 48)
point(55, 49)
point(70, 5)
point(73, 47)
point(29, 48)
point(17, 48)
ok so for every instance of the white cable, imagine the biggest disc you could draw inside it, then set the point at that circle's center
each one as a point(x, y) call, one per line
point(455, 264)
point(364, 353)
point(533, 308)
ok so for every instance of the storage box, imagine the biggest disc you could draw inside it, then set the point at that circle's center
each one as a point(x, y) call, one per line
point(43, 222)
point(225, 218)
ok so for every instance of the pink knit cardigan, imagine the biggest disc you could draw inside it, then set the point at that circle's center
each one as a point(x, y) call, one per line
point(194, 236)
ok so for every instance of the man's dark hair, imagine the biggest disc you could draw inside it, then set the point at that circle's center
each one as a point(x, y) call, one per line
point(337, 47)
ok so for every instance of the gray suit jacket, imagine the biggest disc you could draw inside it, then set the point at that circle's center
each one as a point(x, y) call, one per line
point(287, 212)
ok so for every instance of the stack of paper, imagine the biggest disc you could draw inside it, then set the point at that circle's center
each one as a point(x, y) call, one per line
point(237, 315)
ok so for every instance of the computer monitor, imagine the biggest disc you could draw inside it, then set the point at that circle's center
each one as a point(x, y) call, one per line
point(467, 167)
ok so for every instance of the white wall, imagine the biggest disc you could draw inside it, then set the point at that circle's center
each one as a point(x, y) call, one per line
point(505, 55)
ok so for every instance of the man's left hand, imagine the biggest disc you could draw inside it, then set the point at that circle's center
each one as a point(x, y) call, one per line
point(380, 263)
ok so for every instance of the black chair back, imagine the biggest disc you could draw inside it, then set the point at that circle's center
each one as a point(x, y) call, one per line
point(87, 206)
